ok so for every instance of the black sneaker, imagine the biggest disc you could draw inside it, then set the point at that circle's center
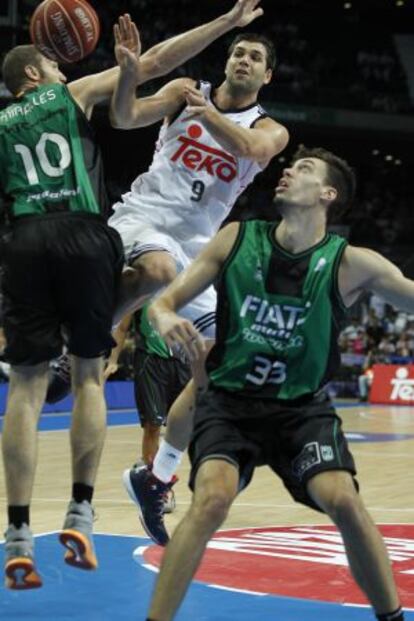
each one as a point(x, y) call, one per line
point(59, 385)
point(149, 494)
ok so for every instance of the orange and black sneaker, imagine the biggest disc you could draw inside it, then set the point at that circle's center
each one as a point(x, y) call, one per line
point(77, 537)
point(19, 568)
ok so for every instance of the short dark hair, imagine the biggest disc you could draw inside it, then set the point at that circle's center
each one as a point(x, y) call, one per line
point(340, 175)
point(14, 63)
point(253, 37)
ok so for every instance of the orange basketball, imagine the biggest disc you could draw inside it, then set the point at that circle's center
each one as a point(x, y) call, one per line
point(64, 30)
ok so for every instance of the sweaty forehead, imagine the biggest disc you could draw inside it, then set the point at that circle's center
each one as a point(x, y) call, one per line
point(317, 165)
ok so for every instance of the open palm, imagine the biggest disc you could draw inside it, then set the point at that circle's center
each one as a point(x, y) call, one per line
point(127, 41)
point(245, 11)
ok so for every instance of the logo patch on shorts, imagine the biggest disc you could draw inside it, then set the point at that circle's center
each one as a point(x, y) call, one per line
point(307, 458)
point(327, 452)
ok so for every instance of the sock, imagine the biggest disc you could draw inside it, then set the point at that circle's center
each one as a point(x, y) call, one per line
point(18, 514)
point(166, 462)
point(81, 491)
point(397, 615)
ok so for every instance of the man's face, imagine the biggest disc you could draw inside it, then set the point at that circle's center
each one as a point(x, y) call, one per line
point(49, 72)
point(246, 67)
point(304, 184)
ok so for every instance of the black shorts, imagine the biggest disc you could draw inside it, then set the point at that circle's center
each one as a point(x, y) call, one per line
point(158, 382)
point(59, 270)
point(297, 440)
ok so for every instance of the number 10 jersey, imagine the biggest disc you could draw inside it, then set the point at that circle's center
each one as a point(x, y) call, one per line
point(49, 160)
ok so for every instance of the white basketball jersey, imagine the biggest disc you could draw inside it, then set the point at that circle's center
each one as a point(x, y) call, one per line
point(193, 182)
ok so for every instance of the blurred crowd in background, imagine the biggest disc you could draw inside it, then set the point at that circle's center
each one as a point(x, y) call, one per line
point(333, 56)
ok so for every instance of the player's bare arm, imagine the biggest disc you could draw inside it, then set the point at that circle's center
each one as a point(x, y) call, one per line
point(163, 57)
point(98, 87)
point(363, 269)
point(259, 143)
point(175, 330)
point(119, 334)
point(127, 111)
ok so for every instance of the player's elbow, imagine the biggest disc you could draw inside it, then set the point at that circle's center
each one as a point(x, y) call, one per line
point(119, 120)
point(282, 140)
point(153, 66)
point(264, 150)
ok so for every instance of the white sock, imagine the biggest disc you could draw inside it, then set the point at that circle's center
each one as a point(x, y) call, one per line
point(166, 462)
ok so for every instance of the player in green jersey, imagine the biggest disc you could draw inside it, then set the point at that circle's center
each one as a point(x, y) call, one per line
point(282, 290)
point(159, 377)
point(62, 269)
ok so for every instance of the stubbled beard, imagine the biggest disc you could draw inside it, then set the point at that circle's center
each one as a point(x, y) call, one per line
point(245, 88)
point(280, 203)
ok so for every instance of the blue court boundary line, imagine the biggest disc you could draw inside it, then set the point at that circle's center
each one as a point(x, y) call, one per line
point(119, 417)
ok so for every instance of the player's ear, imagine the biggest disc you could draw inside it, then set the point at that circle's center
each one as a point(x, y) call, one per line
point(32, 72)
point(329, 193)
point(268, 76)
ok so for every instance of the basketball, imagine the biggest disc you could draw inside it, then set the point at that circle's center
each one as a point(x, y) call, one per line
point(64, 30)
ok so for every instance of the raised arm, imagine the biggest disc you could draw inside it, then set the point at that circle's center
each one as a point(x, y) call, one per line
point(175, 330)
point(127, 111)
point(166, 56)
point(259, 143)
point(365, 270)
point(98, 87)
point(163, 57)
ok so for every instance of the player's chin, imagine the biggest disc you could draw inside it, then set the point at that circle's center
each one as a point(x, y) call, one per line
point(279, 198)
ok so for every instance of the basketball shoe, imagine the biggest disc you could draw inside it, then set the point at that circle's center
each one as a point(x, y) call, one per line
point(19, 565)
point(149, 494)
point(77, 536)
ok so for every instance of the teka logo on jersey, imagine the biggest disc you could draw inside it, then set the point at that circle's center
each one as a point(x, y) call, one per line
point(197, 156)
point(305, 562)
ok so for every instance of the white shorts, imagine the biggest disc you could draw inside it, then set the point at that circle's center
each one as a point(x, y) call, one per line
point(139, 238)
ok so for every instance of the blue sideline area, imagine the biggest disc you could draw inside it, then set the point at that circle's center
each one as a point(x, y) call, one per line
point(120, 590)
point(119, 396)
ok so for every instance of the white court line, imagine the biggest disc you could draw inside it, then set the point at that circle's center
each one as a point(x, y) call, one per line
point(369, 453)
point(234, 590)
point(186, 503)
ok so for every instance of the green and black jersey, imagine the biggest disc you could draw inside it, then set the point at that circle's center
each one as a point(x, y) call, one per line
point(279, 315)
point(148, 339)
point(49, 160)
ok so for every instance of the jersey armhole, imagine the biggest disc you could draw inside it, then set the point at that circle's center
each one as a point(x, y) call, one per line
point(233, 251)
point(336, 295)
point(73, 101)
point(259, 118)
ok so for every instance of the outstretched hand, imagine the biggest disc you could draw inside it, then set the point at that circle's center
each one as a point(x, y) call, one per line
point(127, 45)
point(180, 335)
point(244, 12)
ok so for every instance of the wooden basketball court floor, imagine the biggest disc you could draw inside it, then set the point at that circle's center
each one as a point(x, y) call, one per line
point(273, 559)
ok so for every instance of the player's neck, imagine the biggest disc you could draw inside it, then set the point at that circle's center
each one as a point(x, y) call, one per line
point(227, 98)
point(298, 232)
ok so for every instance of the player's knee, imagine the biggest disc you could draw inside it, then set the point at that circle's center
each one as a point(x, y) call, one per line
point(87, 374)
point(212, 506)
point(159, 269)
point(342, 504)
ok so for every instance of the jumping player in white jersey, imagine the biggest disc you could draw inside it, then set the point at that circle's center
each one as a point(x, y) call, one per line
point(211, 145)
